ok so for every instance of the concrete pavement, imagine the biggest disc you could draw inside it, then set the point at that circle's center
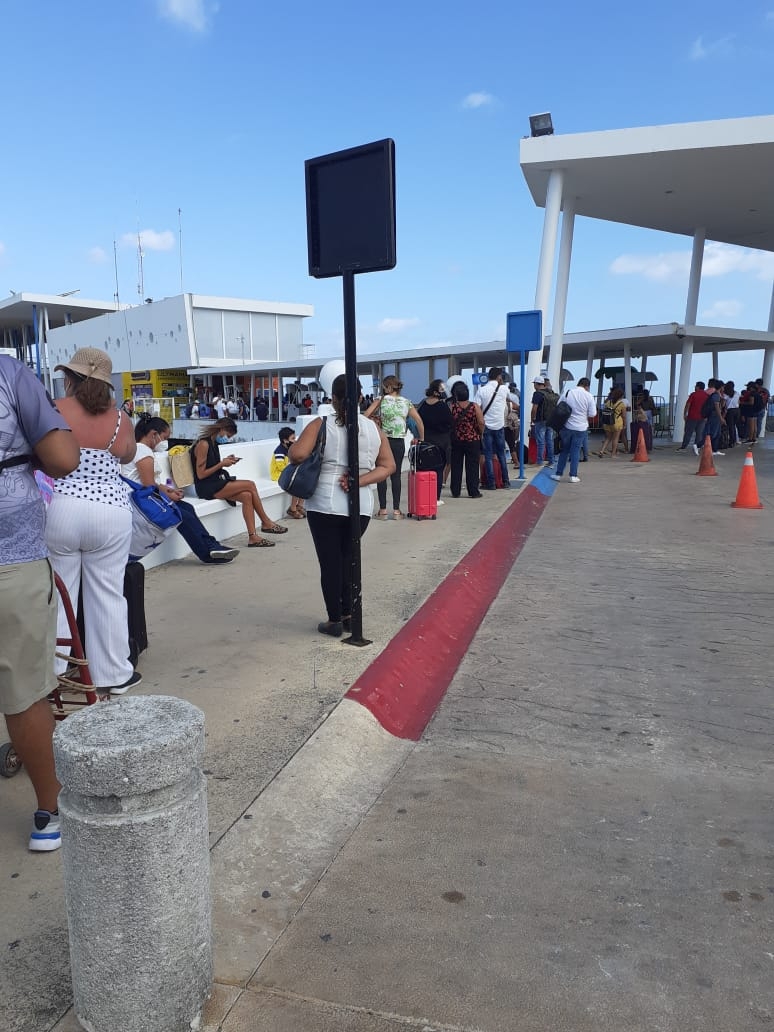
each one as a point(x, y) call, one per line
point(581, 839)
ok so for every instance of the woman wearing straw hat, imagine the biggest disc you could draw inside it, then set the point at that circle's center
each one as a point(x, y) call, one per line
point(89, 523)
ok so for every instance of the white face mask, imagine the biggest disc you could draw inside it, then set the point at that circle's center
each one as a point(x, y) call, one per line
point(162, 446)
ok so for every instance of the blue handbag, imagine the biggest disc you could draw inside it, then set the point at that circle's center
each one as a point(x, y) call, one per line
point(154, 506)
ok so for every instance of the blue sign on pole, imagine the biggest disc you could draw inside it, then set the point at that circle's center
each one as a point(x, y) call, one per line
point(523, 333)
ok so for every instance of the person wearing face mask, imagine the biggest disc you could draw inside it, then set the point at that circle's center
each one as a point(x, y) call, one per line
point(212, 481)
point(437, 421)
point(152, 436)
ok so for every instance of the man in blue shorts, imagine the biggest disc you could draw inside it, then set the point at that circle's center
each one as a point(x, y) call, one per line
point(32, 434)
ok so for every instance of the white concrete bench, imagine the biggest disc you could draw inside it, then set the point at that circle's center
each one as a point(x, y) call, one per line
point(221, 519)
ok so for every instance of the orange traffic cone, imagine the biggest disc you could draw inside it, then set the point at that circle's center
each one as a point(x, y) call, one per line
point(747, 495)
point(640, 452)
point(706, 465)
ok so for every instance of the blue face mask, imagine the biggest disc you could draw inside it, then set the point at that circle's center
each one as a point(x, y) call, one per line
point(223, 440)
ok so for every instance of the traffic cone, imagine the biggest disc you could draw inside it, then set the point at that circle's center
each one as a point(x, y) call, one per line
point(640, 452)
point(706, 465)
point(747, 495)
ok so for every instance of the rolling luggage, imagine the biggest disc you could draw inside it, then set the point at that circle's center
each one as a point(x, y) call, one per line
point(498, 473)
point(134, 593)
point(422, 491)
point(532, 453)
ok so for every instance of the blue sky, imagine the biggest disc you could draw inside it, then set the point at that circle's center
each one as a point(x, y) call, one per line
point(117, 115)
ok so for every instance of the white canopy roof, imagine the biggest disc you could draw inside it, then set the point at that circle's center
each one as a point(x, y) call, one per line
point(675, 178)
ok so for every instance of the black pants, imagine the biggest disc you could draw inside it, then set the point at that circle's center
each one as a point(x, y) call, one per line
point(732, 422)
point(398, 449)
point(333, 544)
point(469, 454)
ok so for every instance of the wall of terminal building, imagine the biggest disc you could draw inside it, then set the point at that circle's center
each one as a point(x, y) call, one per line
point(172, 333)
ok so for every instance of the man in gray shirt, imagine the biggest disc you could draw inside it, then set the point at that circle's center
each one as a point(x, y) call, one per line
point(32, 434)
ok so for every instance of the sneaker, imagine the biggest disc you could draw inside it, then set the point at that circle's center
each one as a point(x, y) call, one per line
point(46, 836)
point(122, 689)
point(332, 627)
point(554, 476)
point(718, 453)
point(548, 462)
point(223, 555)
point(574, 480)
point(695, 449)
point(440, 502)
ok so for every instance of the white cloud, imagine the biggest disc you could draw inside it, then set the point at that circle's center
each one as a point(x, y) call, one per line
point(719, 260)
point(193, 14)
point(723, 310)
point(477, 100)
point(396, 325)
point(97, 256)
point(150, 240)
point(700, 50)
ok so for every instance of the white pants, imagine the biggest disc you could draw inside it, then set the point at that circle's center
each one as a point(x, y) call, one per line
point(88, 544)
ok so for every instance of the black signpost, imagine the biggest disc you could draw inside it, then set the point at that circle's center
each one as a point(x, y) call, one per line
point(350, 224)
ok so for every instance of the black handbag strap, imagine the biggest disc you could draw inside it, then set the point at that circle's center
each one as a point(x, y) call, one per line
point(489, 403)
point(17, 460)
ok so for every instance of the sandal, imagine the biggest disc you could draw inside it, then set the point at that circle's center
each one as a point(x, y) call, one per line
point(260, 542)
point(294, 514)
point(398, 515)
point(381, 515)
point(275, 528)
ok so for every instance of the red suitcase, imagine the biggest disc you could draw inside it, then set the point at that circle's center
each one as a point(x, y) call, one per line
point(422, 491)
point(498, 473)
point(532, 459)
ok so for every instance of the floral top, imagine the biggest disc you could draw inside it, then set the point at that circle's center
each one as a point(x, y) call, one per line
point(393, 411)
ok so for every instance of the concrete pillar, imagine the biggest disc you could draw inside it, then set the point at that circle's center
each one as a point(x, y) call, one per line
point(560, 294)
point(136, 865)
point(691, 308)
point(768, 359)
point(546, 263)
point(627, 354)
point(589, 362)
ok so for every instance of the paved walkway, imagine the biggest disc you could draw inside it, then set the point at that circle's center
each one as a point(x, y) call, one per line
point(582, 837)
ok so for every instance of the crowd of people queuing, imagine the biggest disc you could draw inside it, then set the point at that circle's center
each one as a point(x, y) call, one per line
point(87, 446)
point(727, 416)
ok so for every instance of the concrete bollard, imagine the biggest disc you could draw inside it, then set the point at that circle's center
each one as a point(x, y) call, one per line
point(136, 864)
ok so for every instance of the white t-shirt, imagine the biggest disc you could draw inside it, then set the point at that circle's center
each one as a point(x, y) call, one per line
point(329, 496)
point(583, 406)
point(129, 469)
point(494, 417)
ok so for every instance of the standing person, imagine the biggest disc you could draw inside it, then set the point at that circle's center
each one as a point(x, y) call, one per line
point(393, 410)
point(220, 407)
point(763, 406)
point(152, 434)
point(612, 411)
point(544, 435)
point(467, 430)
point(732, 412)
point(493, 400)
point(748, 413)
point(212, 481)
point(328, 508)
point(89, 521)
point(714, 415)
point(437, 423)
point(695, 422)
point(31, 431)
point(574, 430)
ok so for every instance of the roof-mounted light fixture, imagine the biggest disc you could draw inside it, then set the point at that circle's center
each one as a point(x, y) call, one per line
point(541, 125)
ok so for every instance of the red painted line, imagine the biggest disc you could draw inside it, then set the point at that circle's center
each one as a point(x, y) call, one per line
point(407, 680)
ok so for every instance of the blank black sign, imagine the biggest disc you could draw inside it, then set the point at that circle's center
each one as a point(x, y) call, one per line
point(350, 210)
